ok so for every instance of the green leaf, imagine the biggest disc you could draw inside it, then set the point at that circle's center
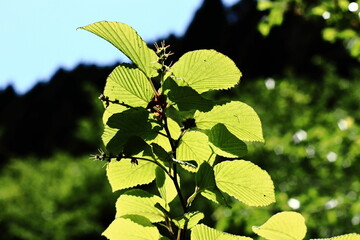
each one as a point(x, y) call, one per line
point(185, 98)
point(205, 183)
point(245, 181)
point(215, 195)
point(239, 118)
point(350, 236)
point(124, 175)
point(136, 146)
point(179, 116)
point(205, 177)
point(283, 226)
point(128, 42)
point(225, 143)
point(129, 85)
point(139, 202)
point(190, 219)
point(131, 228)
point(111, 110)
point(129, 123)
point(194, 145)
point(201, 232)
point(204, 70)
point(163, 141)
point(165, 186)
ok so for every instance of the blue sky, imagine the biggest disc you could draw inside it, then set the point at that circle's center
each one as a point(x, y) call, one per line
point(40, 36)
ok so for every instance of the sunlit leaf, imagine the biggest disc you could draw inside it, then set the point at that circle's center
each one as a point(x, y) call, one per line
point(202, 232)
point(165, 186)
point(124, 174)
point(185, 98)
point(205, 183)
point(111, 110)
point(226, 144)
point(240, 119)
point(129, 123)
point(162, 140)
point(194, 146)
point(350, 236)
point(190, 219)
point(283, 226)
point(129, 85)
point(204, 70)
point(245, 181)
point(128, 42)
point(131, 228)
point(139, 202)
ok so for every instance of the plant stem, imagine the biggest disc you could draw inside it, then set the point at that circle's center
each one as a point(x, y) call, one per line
point(181, 232)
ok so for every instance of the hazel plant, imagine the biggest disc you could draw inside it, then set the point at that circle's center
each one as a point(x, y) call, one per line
point(160, 124)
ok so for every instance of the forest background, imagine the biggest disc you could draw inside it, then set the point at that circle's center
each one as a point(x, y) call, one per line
point(300, 73)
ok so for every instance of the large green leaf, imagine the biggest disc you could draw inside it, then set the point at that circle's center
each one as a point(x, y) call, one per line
point(131, 228)
point(194, 146)
point(185, 98)
point(204, 70)
point(283, 226)
point(225, 143)
point(122, 126)
point(202, 232)
point(239, 118)
point(165, 186)
point(111, 110)
point(124, 174)
point(139, 202)
point(245, 181)
point(129, 85)
point(205, 183)
point(350, 236)
point(128, 42)
point(189, 219)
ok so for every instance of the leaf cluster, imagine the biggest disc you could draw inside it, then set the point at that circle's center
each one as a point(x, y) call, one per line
point(159, 118)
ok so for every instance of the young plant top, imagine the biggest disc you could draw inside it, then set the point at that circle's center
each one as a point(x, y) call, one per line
point(160, 124)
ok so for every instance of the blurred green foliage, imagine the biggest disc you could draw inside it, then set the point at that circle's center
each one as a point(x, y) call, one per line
point(312, 152)
point(341, 18)
point(58, 198)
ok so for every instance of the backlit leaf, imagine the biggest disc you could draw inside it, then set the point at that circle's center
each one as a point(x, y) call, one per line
point(185, 98)
point(283, 226)
point(129, 85)
point(226, 144)
point(190, 219)
point(120, 127)
point(131, 228)
point(201, 232)
point(139, 202)
point(240, 119)
point(204, 70)
point(123, 174)
point(126, 39)
point(194, 146)
point(162, 140)
point(350, 236)
point(245, 181)
point(205, 182)
point(165, 186)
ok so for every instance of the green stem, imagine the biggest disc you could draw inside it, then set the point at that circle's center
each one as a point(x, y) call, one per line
point(181, 232)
